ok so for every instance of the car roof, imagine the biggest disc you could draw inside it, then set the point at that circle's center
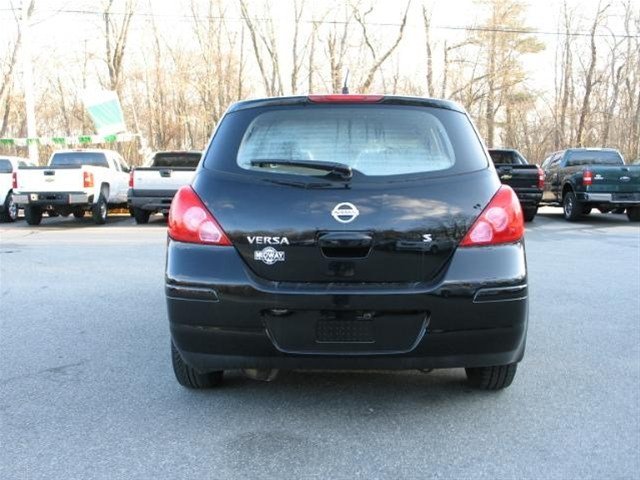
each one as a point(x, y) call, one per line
point(386, 100)
point(84, 150)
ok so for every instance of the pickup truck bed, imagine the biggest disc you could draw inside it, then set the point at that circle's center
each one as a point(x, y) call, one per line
point(525, 179)
point(580, 179)
point(152, 188)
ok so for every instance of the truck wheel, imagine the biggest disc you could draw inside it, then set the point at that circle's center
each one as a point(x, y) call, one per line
point(633, 213)
point(79, 212)
point(99, 211)
point(529, 213)
point(10, 212)
point(491, 378)
point(33, 215)
point(188, 377)
point(571, 206)
point(141, 216)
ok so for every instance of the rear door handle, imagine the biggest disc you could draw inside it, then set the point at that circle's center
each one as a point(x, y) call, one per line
point(345, 240)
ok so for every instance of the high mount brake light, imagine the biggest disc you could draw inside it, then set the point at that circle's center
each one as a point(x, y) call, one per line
point(87, 179)
point(131, 179)
point(587, 177)
point(14, 180)
point(345, 98)
point(500, 222)
point(540, 178)
point(191, 222)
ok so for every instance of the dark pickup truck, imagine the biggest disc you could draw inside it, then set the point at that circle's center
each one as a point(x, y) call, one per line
point(579, 179)
point(526, 180)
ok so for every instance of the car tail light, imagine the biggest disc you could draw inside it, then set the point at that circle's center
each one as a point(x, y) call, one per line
point(500, 222)
point(345, 98)
point(540, 179)
point(14, 180)
point(587, 177)
point(131, 179)
point(87, 179)
point(191, 222)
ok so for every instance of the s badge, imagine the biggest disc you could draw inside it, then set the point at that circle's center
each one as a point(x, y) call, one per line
point(268, 255)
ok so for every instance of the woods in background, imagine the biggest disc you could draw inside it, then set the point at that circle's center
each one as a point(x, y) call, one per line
point(174, 88)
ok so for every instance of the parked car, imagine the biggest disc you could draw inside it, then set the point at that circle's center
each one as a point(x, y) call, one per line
point(152, 188)
point(73, 182)
point(526, 180)
point(579, 179)
point(305, 241)
point(8, 168)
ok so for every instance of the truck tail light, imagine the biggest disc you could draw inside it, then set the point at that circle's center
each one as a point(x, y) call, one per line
point(500, 222)
point(14, 180)
point(131, 179)
point(345, 98)
point(87, 179)
point(191, 222)
point(540, 179)
point(587, 178)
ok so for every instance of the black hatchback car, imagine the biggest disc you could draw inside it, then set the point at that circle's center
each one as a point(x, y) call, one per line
point(346, 232)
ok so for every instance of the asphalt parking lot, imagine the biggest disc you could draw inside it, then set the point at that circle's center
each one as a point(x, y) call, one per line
point(87, 390)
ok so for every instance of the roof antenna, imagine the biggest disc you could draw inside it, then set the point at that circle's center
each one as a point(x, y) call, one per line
point(345, 86)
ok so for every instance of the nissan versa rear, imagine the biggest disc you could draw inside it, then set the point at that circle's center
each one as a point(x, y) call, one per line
point(346, 232)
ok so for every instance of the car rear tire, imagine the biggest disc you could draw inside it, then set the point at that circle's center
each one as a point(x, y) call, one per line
point(633, 214)
point(571, 207)
point(188, 377)
point(10, 212)
point(79, 213)
point(33, 215)
point(99, 211)
point(491, 378)
point(529, 213)
point(141, 216)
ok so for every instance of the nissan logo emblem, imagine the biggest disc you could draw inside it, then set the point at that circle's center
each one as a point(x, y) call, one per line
point(345, 212)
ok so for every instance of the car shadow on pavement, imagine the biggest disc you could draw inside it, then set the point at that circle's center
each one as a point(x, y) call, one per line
point(71, 223)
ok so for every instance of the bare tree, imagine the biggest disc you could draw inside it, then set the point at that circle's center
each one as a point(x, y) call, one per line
point(116, 31)
point(377, 60)
point(590, 81)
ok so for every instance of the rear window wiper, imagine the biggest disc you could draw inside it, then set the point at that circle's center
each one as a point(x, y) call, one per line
point(340, 169)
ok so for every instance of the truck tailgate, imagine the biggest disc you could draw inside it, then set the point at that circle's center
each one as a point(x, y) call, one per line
point(161, 178)
point(622, 179)
point(50, 179)
point(518, 176)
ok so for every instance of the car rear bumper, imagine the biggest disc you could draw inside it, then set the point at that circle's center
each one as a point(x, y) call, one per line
point(154, 200)
point(52, 198)
point(223, 317)
point(623, 199)
point(529, 198)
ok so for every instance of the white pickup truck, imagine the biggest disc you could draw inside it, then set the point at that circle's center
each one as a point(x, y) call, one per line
point(8, 168)
point(152, 188)
point(74, 182)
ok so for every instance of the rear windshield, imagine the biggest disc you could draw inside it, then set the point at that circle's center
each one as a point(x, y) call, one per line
point(593, 157)
point(507, 156)
point(182, 160)
point(5, 166)
point(376, 141)
point(79, 158)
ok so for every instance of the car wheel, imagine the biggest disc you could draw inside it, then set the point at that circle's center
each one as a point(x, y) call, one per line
point(529, 213)
point(141, 216)
point(79, 213)
point(188, 377)
point(633, 213)
point(99, 211)
point(33, 215)
point(10, 212)
point(491, 378)
point(571, 206)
